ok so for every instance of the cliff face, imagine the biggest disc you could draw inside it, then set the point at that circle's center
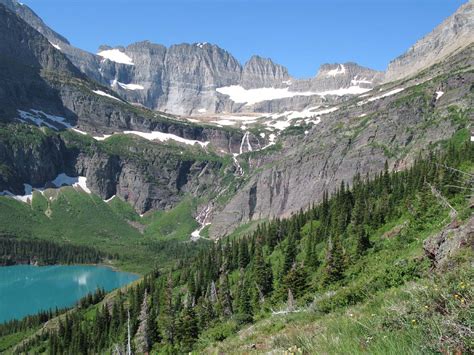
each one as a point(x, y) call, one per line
point(454, 34)
point(393, 125)
point(147, 175)
point(261, 72)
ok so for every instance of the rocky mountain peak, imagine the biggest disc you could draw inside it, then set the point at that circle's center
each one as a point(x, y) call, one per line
point(263, 72)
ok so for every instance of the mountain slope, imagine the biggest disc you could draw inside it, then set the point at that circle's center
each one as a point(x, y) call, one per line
point(393, 125)
point(454, 34)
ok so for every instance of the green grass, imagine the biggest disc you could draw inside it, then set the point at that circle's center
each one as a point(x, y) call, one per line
point(68, 216)
point(431, 315)
point(177, 223)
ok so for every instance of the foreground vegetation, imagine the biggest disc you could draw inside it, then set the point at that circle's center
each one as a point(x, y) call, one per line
point(348, 275)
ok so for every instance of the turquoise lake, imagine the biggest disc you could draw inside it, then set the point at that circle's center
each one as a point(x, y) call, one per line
point(26, 289)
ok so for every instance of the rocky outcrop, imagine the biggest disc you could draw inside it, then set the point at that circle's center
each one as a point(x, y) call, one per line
point(454, 34)
point(441, 247)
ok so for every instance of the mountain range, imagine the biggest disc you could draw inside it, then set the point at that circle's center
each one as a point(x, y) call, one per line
point(351, 128)
point(237, 189)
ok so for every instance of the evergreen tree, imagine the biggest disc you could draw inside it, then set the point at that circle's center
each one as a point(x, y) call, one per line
point(334, 268)
point(262, 272)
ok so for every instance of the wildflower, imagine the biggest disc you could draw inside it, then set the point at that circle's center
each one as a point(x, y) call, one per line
point(413, 321)
point(426, 307)
point(373, 314)
point(351, 315)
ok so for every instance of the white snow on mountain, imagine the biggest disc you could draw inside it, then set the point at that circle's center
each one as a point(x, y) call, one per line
point(163, 137)
point(102, 93)
point(127, 86)
point(55, 45)
point(439, 94)
point(341, 69)
point(251, 96)
point(75, 181)
point(39, 118)
point(60, 180)
point(375, 98)
point(357, 81)
point(117, 56)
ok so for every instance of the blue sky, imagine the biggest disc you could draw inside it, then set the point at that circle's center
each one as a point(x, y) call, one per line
point(299, 34)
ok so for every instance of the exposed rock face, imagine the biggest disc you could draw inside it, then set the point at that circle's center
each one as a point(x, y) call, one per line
point(261, 72)
point(455, 33)
point(159, 184)
point(357, 138)
point(441, 247)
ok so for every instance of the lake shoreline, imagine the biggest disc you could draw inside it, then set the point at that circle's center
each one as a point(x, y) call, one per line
point(54, 286)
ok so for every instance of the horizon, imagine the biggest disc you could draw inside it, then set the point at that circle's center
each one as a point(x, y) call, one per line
point(303, 51)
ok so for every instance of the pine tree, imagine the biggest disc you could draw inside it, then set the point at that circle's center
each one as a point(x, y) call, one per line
point(244, 257)
point(166, 318)
point(188, 328)
point(262, 272)
point(296, 280)
point(290, 254)
point(142, 338)
point(334, 267)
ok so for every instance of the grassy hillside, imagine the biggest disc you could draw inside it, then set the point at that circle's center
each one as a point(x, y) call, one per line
point(74, 217)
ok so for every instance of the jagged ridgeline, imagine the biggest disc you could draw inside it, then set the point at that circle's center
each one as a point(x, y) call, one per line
point(337, 258)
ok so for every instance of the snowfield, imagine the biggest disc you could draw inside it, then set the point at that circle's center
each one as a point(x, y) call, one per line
point(252, 96)
point(116, 56)
point(163, 137)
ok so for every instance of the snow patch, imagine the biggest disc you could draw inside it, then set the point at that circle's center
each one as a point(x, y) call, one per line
point(102, 93)
point(116, 56)
point(439, 94)
point(341, 69)
point(59, 181)
point(163, 137)
point(202, 110)
point(357, 81)
point(131, 87)
point(201, 44)
point(55, 45)
point(77, 181)
point(39, 118)
point(103, 137)
point(224, 122)
point(389, 93)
